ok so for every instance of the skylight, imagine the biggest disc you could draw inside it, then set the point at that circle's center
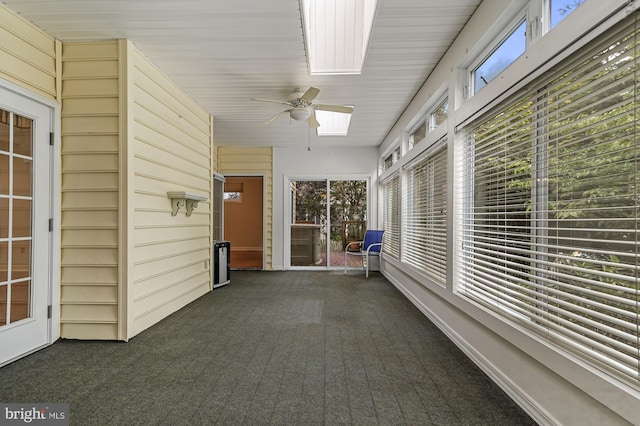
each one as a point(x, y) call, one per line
point(332, 123)
point(337, 34)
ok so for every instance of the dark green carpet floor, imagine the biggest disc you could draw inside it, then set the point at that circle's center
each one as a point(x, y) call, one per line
point(276, 348)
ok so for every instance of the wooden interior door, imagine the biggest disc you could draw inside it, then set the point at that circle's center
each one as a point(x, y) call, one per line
point(244, 221)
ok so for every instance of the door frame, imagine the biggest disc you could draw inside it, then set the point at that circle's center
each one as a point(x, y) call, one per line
point(288, 209)
point(264, 208)
point(52, 269)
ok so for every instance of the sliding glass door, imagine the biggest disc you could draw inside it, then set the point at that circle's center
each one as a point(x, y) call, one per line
point(326, 215)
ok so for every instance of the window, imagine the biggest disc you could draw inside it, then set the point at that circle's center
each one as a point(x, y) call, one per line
point(418, 134)
point(391, 215)
point(235, 197)
point(439, 115)
point(388, 162)
point(515, 43)
point(550, 230)
point(500, 58)
point(233, 192)
point(560, 9)
point(425, 220)
point(392, 158)
point(434, 118)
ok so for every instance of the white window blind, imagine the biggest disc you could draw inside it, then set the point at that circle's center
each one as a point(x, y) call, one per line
point(391, 215)
point(551, 199)
point(425, 214)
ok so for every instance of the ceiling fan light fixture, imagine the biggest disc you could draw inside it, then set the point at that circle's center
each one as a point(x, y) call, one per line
point(300, 114)
point(303, 108)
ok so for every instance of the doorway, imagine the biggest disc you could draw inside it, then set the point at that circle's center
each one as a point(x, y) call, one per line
point(326, 215)
point(25, 209)
point(244, 221)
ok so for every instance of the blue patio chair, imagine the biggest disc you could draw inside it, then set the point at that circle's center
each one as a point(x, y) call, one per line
point(370, 246)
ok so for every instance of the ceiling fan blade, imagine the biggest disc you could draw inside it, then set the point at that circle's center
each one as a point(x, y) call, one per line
point(275, 117)
point(313, 123)
point(310, 94)
point(275, 102)
point(335, 108)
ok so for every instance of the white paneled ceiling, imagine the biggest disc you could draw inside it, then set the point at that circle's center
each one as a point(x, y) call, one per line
point(223, 53)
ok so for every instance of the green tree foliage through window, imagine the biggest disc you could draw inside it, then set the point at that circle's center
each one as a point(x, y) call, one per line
point(551, 233)
point(347, 202)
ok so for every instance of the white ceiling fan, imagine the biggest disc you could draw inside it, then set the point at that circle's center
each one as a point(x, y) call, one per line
point(303, 108)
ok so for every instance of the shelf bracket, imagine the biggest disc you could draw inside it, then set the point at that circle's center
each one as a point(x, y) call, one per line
point(191, 204)
point(176, 203)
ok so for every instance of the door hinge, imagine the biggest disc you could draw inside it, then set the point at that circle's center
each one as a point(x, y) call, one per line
point(51, 138)
point(49, 309)
point(50, 225)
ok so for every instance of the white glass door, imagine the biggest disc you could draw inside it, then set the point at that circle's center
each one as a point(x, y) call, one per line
point(326, 215)
point(24, 225)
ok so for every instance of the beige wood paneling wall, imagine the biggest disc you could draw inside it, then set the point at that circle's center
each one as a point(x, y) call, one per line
point(129, 135)
point(253, 161)
point(27, 55)
point(90, 187)
point(214, 149)
point(171, 151)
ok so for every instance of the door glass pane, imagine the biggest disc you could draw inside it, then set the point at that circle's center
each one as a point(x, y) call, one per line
point(4, 174)
point(348, 213)
point(21, 260)
point(308, 230)
point(4, 261)
point(22, 129)
point(4, 217)
point(3, 305)
point(20, 301)
point(21, 218)
point(22, 177)
point(4, 130)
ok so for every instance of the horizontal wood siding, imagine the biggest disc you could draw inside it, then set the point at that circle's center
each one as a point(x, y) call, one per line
point(214, 150)
point(90, 185)
point(253, 161)
point(27, 55)
point(171, 146)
